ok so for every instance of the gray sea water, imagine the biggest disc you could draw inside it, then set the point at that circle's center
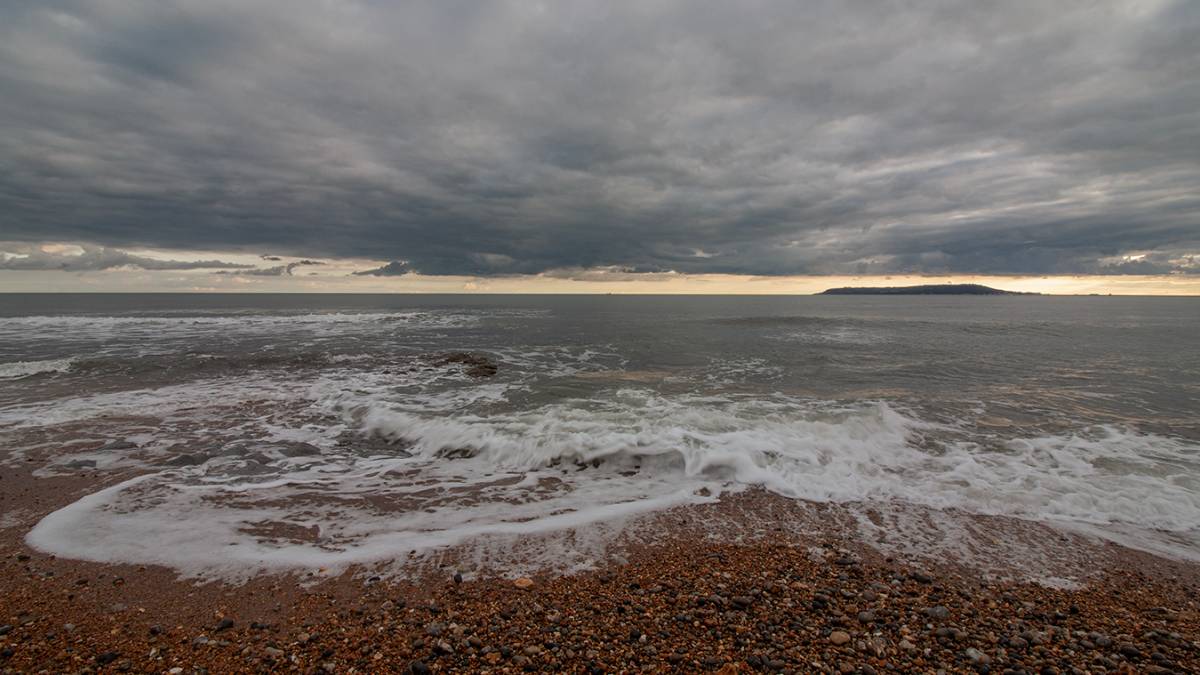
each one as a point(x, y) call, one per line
point(324, 430)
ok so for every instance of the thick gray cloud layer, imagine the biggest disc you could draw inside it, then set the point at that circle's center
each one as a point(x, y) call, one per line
point(497, 138)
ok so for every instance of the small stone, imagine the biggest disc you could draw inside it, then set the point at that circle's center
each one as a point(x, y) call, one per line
point(1129, 650)
point(940, 612)
point(976, 657)
point(107, 658)
point(5, 629)
point(866, 616)
point(921, 577)
point(223, 624)
point(523, 582)
point(907, 646)
point(458, 577)
point(418, 668)
point(839, 638)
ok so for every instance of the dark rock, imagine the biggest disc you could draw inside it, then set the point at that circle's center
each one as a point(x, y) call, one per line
point(458, 577)
point(107, 658)
point(223, 624)
point(5, 629)
point(1129, 650)
point(474, 365)
point(418, 668)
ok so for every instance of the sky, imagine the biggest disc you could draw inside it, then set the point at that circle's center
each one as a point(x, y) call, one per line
point(650, 146)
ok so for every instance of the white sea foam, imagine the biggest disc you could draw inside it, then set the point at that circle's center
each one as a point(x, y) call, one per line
point(19, 369)
point(132, 327)
point(530, 471)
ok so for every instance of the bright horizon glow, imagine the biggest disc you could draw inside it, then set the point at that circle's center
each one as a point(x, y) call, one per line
point(339, 276)
point(653, 284)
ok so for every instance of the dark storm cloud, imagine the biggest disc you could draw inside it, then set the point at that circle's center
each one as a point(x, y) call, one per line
point(95, 258)
point(512, 138)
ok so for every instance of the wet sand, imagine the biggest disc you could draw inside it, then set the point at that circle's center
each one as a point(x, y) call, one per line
point(753, 583)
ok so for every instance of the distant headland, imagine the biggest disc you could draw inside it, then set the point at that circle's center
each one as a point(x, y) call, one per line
point(929, 289)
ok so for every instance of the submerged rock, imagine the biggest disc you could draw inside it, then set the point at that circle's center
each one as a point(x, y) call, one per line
point(474, 365)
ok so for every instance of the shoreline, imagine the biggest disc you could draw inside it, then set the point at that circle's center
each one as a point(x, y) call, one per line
point(721, 587)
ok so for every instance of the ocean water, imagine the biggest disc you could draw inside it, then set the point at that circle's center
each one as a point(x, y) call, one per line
point(240, 433)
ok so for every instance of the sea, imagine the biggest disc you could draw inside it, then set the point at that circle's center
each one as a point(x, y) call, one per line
point(225, 435)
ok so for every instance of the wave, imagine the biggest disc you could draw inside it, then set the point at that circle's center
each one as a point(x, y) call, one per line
point(464, 462)
point(832, 452)
point(19, 369)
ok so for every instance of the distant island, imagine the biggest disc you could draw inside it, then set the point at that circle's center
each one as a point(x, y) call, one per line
point(929, 289)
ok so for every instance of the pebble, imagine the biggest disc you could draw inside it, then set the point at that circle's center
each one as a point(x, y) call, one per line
point(1129, 650)
point(977, 657)
point(523, 582)
point(938, 612)
point(839, 638)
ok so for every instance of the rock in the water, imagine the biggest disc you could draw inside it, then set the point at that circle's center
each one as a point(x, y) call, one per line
point(474, 365)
